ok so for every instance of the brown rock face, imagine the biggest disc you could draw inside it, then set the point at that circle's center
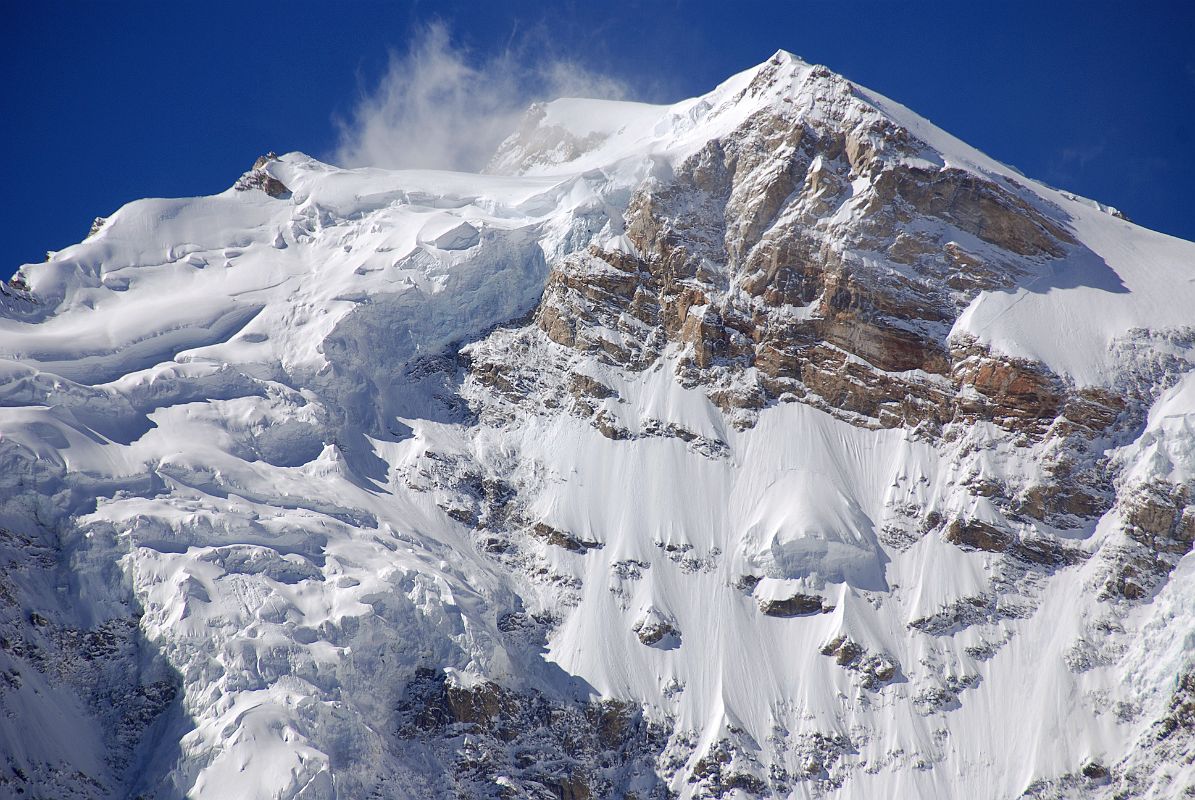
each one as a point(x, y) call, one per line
point(1016, 394)
point(559, 538)
point(978, 535)
point(652, 633)
point(799, 605)
point(773, 276)
point(975, 206)
point(824, 259)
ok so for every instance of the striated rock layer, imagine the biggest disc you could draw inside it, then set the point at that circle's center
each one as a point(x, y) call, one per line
point(770, 444)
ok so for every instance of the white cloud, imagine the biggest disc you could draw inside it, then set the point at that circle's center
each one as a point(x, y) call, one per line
point(437, 107)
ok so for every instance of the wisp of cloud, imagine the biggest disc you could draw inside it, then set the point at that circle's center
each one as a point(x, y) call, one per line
point(437, 108)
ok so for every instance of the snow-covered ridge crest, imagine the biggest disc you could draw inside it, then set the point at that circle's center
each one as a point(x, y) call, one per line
point(771, 443)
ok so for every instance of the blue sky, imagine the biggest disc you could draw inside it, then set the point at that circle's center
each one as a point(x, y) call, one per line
point(106, 102)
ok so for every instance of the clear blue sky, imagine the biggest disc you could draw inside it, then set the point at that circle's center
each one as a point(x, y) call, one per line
point(106, 102)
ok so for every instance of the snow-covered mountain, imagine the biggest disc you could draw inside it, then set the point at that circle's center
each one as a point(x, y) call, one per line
point(773, 443)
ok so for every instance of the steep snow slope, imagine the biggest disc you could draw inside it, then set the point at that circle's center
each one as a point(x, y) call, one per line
point(772, 443)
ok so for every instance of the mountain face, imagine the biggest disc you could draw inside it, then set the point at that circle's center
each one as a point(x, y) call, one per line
point(770, 444)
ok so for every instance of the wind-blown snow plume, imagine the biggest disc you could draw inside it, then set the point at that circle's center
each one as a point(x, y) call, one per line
point(439, 107)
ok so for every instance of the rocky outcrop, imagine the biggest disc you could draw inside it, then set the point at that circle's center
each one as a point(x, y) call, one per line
point(260, 178)
point(944, 695)
point(559, 538)
point(1157, 529)
point(797, 605)
point(874, 669)
point(977, 535)
point(726, 770)
point(739, 266)
point(657, 629)
point(523, 744)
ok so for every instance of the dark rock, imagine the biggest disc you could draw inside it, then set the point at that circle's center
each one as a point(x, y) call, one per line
point(798, 605)
point(653, 632)
point(873, 669)
point(976, 535)
point(260, 178)
point(559, 538)
point(545, 748)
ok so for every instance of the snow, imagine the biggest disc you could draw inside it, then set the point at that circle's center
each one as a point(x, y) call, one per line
point(1073, 317)
point(232, 398)
point(1136, 277)
point(582, 117)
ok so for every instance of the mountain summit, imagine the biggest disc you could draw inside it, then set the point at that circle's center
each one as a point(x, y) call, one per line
point(773, 443)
